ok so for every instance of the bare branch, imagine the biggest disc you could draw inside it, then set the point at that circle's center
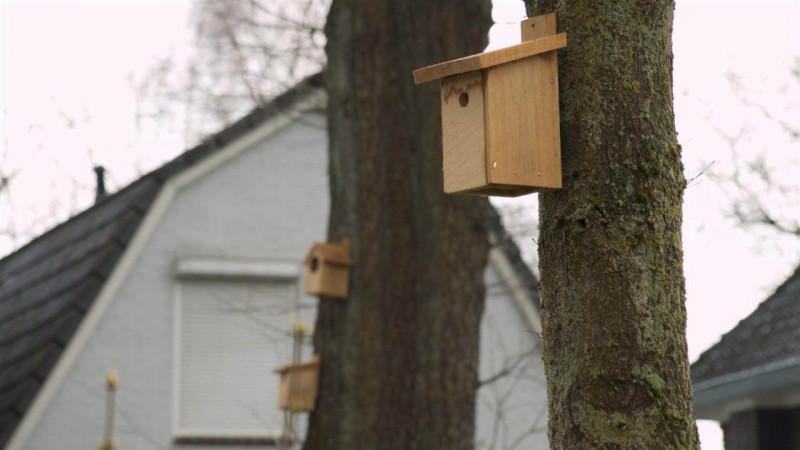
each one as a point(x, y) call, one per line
point(699, 174)
point(758, 195)
point(510, 367)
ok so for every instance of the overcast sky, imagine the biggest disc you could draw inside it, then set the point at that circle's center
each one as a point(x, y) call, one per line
point(68, 104)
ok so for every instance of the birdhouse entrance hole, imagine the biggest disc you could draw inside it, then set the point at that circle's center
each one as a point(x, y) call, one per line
point(327, 269)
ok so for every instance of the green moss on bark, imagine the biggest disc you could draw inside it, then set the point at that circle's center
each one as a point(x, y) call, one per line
point(610, 244)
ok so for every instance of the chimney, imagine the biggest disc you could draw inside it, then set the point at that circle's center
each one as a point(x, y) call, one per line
point(101, 193)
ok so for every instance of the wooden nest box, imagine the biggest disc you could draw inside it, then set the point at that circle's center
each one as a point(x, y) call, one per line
point(297, 390)
point(327, 270)
point(500, 125)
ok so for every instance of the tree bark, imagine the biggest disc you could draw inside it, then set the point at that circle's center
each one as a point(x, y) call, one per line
point(399, 356)
point(610, 253)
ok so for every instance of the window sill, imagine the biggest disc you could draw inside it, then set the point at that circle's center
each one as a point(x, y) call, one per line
point(219, 439)
point(236, 268)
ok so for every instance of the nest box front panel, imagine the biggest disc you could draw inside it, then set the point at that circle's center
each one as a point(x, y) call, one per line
point(335, 281)
point(522, 123)
point(327, 280)
point(298, 387)
point(463, 132)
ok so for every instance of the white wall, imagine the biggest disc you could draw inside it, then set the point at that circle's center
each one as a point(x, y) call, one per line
point(268, 203)
point(512, 411)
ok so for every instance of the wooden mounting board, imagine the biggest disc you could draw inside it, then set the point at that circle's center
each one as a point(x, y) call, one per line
point(490, 59)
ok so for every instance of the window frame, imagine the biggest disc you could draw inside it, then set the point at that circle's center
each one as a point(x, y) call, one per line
point(227, 270)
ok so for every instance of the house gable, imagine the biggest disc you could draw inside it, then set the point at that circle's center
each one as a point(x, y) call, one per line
point(47, 287)
point(135, 308)
point(51, 285)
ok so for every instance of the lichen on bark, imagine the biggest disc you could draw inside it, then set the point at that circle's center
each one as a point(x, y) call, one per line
point(613, 313)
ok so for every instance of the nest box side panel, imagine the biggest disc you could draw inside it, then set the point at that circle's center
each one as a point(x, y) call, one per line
point(522, 125)
point(463, 135)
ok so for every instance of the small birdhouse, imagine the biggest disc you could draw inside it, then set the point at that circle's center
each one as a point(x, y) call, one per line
point(297, 390)
point(500, 124)
point(327, 270)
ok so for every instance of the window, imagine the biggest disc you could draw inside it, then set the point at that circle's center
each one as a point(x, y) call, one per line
point(231, 334)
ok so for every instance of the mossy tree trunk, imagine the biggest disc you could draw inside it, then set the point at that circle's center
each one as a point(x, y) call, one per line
point(610, 253)
point(399, 357)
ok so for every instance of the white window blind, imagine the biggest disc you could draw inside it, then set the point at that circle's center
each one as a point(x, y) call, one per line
point(232, 335)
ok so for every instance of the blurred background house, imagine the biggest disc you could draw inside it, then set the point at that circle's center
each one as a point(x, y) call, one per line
point(187, 282)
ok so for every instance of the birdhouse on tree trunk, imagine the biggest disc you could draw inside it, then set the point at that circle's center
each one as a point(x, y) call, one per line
point(327, 270)
point(298, 385)
point(500, 124)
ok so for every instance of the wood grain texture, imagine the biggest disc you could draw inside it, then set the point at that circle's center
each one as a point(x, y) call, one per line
point(463, 136)
point(522, 122)
point(490, 59)
point(538, 27)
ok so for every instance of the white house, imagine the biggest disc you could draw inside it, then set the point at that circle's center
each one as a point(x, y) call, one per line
point(187, 283)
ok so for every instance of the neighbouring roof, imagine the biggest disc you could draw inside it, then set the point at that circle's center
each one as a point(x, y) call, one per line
point(48, 286)
point(767, 336)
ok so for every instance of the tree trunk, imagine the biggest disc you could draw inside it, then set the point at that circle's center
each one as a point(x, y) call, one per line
point(610, 251)
point(399, 356)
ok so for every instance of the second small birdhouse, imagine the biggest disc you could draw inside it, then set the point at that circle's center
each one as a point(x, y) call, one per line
point(327, 270)
point(298, 386)
point(500, 124)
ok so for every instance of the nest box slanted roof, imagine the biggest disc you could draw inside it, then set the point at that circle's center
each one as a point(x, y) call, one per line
point(313, 362)
point(337, 254)
point(490, 59)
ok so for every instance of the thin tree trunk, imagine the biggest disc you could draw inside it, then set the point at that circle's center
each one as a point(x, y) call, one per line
point(399, 356)
point(610, 242)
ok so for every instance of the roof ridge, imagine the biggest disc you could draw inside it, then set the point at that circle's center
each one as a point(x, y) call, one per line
point(708, 363)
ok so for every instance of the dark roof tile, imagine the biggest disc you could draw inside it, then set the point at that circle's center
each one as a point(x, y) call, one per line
point(768, 335)
point(33, 365)
point(8, 423)
point(20, 397)
point(78, 297)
